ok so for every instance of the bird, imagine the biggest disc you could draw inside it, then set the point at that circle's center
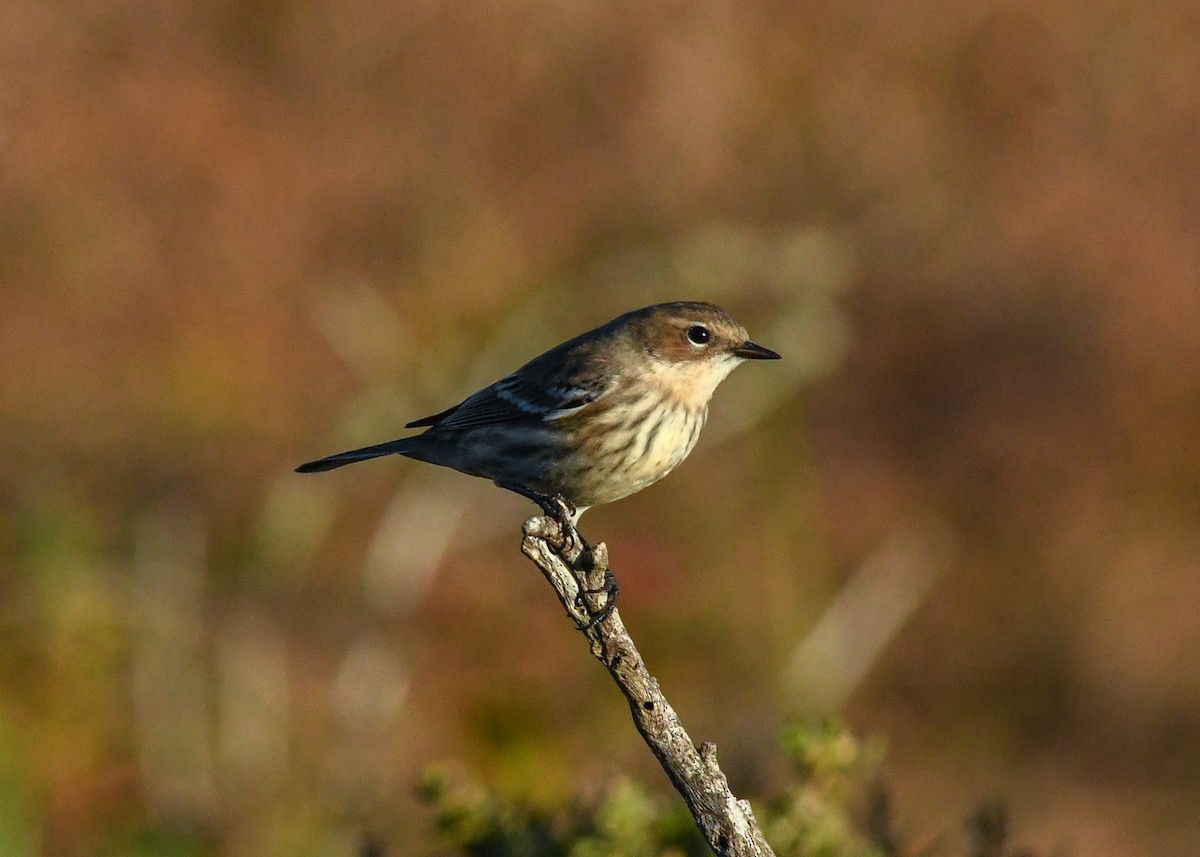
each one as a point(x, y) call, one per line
point(591, 421)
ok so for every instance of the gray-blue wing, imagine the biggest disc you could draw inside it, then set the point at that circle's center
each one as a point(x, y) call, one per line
point(512, 399)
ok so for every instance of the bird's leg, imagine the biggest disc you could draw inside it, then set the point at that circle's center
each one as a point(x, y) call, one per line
point(561, 510)
point(557, 508)
point(610, 590)
point(588, 565)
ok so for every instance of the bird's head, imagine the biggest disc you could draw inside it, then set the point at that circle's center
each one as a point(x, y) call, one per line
point(692, 346)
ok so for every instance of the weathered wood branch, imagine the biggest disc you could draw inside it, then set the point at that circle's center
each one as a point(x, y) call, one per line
point(578, 575)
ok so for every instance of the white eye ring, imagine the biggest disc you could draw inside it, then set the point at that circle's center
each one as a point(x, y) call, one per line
point(698, 335)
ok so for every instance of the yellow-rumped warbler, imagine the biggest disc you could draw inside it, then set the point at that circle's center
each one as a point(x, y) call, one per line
point(593, 420)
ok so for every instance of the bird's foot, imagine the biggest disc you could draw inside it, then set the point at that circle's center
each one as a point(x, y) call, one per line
point(609, 590)
point(562, 511)
point(558, 509)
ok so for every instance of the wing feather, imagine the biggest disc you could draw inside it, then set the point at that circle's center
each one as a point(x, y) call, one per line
point(513, 399)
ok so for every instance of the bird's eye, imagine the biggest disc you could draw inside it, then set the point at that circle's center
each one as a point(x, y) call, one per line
point(698, 334)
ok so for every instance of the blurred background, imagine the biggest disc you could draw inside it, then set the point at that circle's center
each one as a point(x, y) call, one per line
point(964, 511)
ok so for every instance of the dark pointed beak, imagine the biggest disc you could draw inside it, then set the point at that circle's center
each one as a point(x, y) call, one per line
point(753, 351)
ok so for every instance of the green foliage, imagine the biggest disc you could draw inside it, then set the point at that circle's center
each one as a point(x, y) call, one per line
point(622, 820)
point(831, 810)
point(835, 807)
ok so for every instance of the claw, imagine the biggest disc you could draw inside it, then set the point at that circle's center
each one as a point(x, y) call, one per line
point(610, 590)
point(562, 511)
point(556, 507)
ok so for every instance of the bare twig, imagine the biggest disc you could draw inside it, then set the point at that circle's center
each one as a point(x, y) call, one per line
point(578, 577)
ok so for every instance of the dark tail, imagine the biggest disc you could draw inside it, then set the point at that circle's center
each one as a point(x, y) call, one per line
point(392, 447)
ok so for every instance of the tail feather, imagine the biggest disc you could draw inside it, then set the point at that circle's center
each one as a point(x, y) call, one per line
point(392, 447)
